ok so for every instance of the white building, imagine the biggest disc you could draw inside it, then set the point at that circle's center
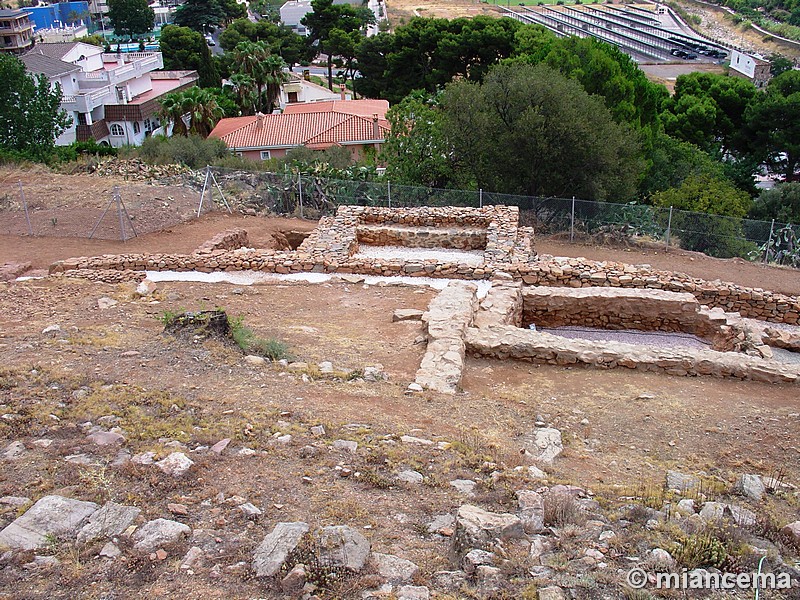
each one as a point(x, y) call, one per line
point(298, 91)
point(113, 98)
point(292, 13)
point(750, 67)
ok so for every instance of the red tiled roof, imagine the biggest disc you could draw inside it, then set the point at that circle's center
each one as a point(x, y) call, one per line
point(321, 129)
point(365, 108)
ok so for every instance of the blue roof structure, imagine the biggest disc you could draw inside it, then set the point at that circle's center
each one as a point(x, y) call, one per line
point(56, 15)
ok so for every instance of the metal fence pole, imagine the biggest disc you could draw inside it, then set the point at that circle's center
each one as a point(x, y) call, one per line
point(769, 241)
point(25, 206)
point(572, 221)
point(300, 192)
point(480, 198)
point(669, 229)
point(389, 192)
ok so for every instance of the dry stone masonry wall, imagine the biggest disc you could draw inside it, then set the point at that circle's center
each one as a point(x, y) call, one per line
point(448, 316)
point(226, 240)
point(333, 244)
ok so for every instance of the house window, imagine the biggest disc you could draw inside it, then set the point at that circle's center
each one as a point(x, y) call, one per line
point(136, 128)
point(292, 97)
point(117, 130)
point(148, 127)
point(265, 155)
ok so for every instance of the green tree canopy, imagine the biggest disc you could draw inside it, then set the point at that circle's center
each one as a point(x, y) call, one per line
point(605, 70)
point(196, 105)
point(184, 48)
point(708, 110)
point(428, 53)
point(781, 203)
point(718, 233)
point(200, 15)
point(281, 40)
point(525, 130)
point(266, 71)
point(327, 17)
point(773, 126)
point(32, 115)
point(130, 17)
point(671, 161)
point(416, 151)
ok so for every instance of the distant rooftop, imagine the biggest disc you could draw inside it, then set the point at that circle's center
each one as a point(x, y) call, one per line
point(47, 65)
point(8, 13)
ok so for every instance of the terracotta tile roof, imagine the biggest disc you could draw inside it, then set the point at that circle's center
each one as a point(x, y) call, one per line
point(321, 129)
point(365, 108)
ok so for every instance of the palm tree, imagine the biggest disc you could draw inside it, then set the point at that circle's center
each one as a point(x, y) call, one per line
point(250, 56)
point(266, 70)
point(245, 89)
point(172, 111)
point(274, 77)
point(203, 110)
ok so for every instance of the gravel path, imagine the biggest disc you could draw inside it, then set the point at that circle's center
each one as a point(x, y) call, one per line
point(472, 257)
point(631, 336)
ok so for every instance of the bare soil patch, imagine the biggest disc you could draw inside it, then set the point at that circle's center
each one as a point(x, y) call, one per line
point(621, 429)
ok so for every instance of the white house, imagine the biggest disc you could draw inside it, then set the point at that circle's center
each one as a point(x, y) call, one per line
point(749, 67)
point(298, 90)
point(113, 98)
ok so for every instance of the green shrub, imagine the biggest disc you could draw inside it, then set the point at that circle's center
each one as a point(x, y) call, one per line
point(192, 151)
point(271, 348)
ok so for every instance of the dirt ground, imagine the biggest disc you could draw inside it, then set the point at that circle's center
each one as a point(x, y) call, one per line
point(182, 238)
point(621, 429)
point(401, 11)
point(116, 366)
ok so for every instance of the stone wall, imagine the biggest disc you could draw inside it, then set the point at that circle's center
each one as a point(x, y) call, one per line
point(459, 238)
point(546, 271)
point(331, 247)
point(226, 240)
point(642, 309)
point(508, 342)
point(448, 316)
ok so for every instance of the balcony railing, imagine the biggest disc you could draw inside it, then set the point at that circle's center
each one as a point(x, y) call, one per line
point(142, 63)
point(16, 27)
point(88, 101)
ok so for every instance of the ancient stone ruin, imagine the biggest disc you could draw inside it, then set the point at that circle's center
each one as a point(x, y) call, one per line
point(728, 321)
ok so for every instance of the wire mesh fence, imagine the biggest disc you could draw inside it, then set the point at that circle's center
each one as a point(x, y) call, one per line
point(144, 208)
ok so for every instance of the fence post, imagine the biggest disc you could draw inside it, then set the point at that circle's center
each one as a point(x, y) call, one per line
point(389, 192)
point(669, 230)
point(572, 221)
point(25, 206)
point(769, 241)
point(300, 192)
point(480, 198)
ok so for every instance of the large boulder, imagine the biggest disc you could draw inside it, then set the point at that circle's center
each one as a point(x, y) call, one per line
point(682, 482)
point(343, 546)
point(792, 531)
point(158, 532)
point(393, 569)
point(107, 522)
point(750, 486)
point(478, 528)
point(543, 445)
point(531, 510)
point(51, 516)
point(719, 511)
point(274, 549)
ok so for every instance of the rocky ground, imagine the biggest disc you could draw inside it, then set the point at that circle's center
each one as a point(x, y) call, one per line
point(138, 463)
